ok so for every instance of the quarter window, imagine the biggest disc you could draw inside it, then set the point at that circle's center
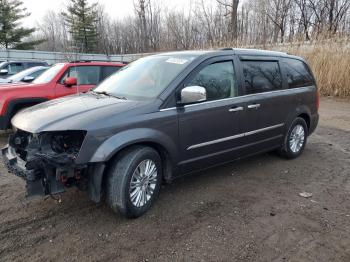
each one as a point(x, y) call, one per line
point(86, 75)
point(261, 76)
point(218, 79)
point(35, 64)
point(298, 74)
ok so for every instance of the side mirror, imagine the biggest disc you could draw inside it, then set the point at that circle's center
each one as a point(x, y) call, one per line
point(70, 81)
point(28, 79)
point(4, 72)
point(193, 94)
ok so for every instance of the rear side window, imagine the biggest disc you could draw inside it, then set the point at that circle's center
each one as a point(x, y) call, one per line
point(14, 68)
point(108, 70)
point(261, 76)
point(86, 75)
point(32, 64)
point(218, 79)
point(298, 74)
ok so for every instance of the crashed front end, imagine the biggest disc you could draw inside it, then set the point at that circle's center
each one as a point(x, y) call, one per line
point(47, 161)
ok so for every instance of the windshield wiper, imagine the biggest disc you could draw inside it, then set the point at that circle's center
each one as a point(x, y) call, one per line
point(109, 94)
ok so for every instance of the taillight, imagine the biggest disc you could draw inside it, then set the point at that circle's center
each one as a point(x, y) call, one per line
point(317, 100)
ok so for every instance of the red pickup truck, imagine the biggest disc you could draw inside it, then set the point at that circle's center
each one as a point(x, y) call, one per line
point(60, 80)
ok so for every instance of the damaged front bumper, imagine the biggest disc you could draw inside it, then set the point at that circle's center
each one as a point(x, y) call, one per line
point(46, 162)
point(41, 180)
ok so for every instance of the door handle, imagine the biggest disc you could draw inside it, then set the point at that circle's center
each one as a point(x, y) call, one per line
point(254, 106)
point(236, 109)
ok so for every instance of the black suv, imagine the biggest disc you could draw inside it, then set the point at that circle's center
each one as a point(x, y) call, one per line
point(161, 117)
point(9, 68)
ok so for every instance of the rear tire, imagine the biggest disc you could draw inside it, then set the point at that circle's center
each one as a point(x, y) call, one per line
point(133, 181)
point(295, 140)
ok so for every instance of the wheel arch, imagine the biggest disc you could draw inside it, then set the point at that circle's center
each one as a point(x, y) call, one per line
point(301, 111)
point(307, 119)
point(167, 162)
point(110, 149)
point(155, 139)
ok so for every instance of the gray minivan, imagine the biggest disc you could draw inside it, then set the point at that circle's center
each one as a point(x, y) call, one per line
point(162, 117)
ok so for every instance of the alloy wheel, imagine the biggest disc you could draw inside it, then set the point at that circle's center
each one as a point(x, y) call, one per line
point(297, 138)
point(143, 183)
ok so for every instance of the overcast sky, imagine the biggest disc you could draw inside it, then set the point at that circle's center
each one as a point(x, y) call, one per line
point(115, 8)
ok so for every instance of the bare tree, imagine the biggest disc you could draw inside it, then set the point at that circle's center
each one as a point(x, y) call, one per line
point(305, 16)
point(55, 33)
point(140, 7)
point(278, 14)
point(336, 11)
point(232, 8)
point(154, 29)
point(205, 24)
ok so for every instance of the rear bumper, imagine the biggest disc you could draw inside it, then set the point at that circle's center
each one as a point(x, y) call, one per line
point(313, 123)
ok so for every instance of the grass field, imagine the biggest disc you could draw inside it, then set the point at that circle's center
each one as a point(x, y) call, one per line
point(330, 62)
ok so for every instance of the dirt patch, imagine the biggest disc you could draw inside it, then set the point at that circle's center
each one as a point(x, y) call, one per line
point(245, 211)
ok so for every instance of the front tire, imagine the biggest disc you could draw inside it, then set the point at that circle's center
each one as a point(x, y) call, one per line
point(134, 180)
point(295, 140)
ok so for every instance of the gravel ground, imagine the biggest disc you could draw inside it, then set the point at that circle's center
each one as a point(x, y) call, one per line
point(245, 211)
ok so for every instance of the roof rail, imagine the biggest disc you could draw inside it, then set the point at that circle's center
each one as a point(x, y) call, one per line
point(226, 49)
point(81, 61)
point(90, 61)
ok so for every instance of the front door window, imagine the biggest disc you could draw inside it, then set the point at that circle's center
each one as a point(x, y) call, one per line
point(85, 75)
point(218, 79)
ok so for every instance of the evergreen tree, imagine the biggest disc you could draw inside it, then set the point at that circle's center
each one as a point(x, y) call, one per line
point(11, 33)
point(81, 19)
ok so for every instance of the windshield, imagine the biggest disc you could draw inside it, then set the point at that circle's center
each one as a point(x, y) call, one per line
point(19, 76)
point(49, 74)
point(145, 78)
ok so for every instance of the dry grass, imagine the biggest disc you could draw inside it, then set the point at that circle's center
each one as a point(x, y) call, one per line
point(330, 62)
point(329, 59)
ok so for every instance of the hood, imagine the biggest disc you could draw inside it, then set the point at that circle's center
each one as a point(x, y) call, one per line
point(4, 81)
point(17, 85)
point(77, 112)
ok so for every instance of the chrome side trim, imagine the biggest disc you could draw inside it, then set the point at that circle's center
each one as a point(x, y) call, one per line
point(228, 150)
point(236, 97)
point(262, 130)
point(167, 109)
point(234, 137)
point(215, 141)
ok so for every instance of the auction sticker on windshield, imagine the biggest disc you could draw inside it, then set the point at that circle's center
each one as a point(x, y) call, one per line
point(178, 61)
